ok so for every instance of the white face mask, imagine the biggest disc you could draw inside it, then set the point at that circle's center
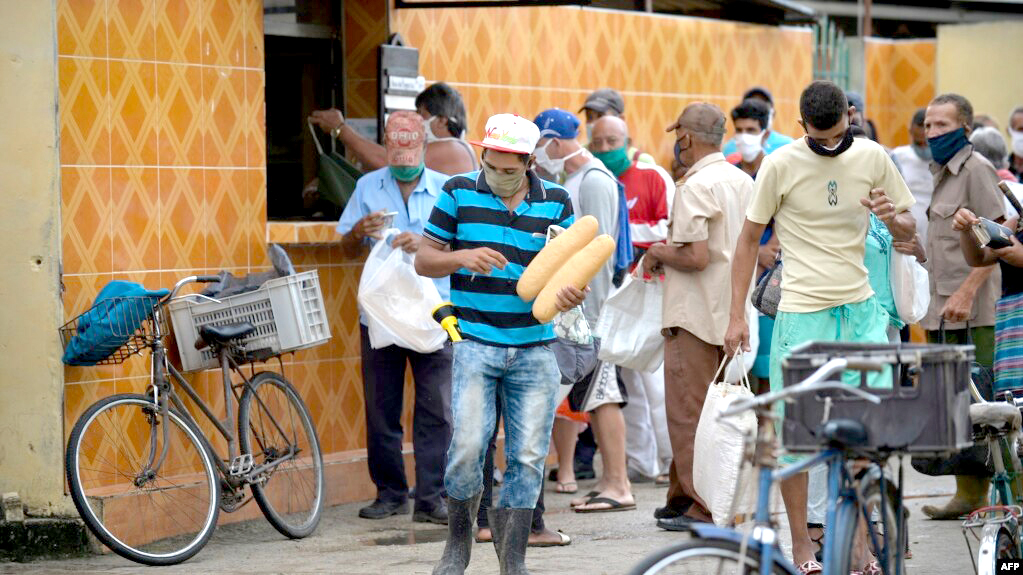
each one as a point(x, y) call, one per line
point(749, 145)
point(1017, 142)
point(553, 166)
point(430, 135)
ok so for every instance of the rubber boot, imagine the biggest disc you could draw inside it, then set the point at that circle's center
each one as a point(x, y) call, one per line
point(461, 516)
point(971, 493)
point(511, 536)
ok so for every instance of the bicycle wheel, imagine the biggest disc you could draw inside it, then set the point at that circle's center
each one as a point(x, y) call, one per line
point(272, 423)
point(995, 543)
point(156, 516)
point(706, 557)
point(848, 514)
point(894, 546)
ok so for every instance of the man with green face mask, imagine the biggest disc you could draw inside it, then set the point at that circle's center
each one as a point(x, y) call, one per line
point(403, 192)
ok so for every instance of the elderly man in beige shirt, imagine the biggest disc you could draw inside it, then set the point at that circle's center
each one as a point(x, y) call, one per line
point(961, 297)
point(707, 215)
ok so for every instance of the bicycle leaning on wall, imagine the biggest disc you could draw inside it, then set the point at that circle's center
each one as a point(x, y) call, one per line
point(147, 479)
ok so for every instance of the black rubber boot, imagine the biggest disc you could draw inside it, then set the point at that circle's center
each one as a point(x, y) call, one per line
point(461, 515)
point(511, 535)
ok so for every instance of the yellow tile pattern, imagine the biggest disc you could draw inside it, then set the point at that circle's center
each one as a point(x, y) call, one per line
point(163, 168)
point(163, 143)
point(524, 60)
point(900, 78)
point(365, 25)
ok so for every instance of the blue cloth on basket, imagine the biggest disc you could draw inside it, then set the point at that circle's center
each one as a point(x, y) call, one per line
point(119, 310)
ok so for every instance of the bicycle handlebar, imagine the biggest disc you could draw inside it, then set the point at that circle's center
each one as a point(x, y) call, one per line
point(187, 280)
point(811, 384)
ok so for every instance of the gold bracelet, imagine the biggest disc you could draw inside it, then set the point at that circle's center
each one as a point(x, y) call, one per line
point(336, 132)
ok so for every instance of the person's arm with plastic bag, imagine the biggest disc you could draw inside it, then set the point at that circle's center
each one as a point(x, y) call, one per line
point(358, 224)
point(686, 249)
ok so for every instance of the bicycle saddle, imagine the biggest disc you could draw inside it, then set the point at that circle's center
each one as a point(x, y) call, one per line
point(844, 433)
point(997, 416)
point(221, 334)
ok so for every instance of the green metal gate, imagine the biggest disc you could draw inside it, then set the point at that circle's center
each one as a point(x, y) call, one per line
point(830, 53)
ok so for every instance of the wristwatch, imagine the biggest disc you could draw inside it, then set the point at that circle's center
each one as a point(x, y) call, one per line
point(336, 132)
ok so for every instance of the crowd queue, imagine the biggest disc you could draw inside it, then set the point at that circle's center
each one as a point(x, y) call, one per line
point(832, 204)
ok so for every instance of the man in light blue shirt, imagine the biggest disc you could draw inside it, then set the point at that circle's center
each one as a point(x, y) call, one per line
point(406, 191)
point(774, 139)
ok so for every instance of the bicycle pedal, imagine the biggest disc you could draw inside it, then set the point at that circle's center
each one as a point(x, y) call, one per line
point(241, 464)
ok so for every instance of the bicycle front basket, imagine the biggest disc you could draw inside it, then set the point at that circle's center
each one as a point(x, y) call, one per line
point(113, 329)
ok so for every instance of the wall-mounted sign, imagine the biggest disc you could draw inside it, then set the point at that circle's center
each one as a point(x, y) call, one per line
point(399, 79)
point(406, 84)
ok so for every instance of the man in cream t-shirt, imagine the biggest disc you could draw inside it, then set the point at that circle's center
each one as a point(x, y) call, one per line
point(820, 191)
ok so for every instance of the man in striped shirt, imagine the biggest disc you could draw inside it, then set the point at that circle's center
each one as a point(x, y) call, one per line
point(486, 228)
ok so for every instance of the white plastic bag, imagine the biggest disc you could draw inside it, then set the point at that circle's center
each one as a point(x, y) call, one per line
point(397, 302)
point(910, 287)
point(740, 365)
point(718, 474)
point(629, 326)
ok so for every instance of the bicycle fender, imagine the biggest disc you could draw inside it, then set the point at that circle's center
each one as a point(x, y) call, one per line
point(713, 532)
point(987, 553)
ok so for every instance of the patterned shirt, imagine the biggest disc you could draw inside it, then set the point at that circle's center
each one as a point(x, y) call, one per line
point(467, 216)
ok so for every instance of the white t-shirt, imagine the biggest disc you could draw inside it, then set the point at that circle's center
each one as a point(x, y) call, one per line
point(920, 180)
point(599, 199)
point(821, 225)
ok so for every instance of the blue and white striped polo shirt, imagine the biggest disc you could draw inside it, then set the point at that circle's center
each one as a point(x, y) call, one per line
point(468, 215)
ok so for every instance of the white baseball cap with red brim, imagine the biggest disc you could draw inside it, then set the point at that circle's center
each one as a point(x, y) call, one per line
point(510, 133)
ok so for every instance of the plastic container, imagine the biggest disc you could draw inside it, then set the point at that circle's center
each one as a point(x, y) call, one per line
point(288, 313)
point(926, 411)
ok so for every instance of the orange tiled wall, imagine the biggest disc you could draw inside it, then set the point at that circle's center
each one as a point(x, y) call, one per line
point(524, 60)
point(900, 78)
point(365, 29)
point(162, 151)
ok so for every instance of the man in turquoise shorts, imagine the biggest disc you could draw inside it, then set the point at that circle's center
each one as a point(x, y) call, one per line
point(820, 191)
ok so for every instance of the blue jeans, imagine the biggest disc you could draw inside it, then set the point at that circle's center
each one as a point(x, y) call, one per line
point(528, 380)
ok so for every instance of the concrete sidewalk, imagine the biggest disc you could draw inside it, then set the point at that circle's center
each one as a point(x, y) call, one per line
point(608, 543)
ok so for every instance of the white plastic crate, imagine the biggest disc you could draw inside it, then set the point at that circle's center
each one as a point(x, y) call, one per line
point(288, 313)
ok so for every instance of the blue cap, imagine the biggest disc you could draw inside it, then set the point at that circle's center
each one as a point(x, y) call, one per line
point(557, 123)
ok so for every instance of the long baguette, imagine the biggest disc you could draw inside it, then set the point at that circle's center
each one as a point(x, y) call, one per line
point(577, 271)
point(554, 255)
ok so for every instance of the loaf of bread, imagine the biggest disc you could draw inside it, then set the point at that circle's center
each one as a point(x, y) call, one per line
point(554, 255)
point(577, 272)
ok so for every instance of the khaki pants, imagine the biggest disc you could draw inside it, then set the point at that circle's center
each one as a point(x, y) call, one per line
point(689, 365)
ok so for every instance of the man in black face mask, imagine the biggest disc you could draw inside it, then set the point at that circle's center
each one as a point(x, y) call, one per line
point(962, 298)
point(820, 191)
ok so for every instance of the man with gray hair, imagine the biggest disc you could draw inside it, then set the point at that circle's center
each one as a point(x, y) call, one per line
point(989, 143)
point(962, 307)
point(649, 192)
point(707, 215)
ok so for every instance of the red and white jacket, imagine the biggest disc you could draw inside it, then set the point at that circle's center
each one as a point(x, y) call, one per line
point(649, 191)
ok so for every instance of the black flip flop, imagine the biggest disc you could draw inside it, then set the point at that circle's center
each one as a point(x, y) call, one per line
point(587, 497)
point(614, 506)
